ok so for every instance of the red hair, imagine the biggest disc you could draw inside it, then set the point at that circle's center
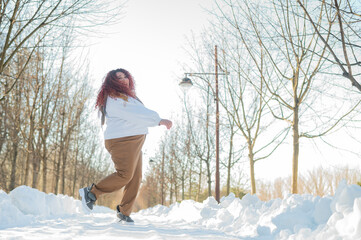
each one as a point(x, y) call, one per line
point(113, 87)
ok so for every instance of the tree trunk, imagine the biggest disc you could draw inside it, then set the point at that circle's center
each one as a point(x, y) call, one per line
point(251, 167)
point(45, 166)
point(209, 179)
point(171, 190)
point(199, 187)
point(36, 163)
point(162, 176)
point(61, 153)
point(190, 181)
point(229, 165)
point(296, 149)
point(75, 176)
point(29, 152)
point(64, 164)
point(36, 169)
point(57, 172)
point(53, 178)
point(183, 186)
point(3, 117)
point(176, 190)
point(13, 166)
point(208, 160)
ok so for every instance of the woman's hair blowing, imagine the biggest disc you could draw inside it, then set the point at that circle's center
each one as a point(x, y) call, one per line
point(113, 87)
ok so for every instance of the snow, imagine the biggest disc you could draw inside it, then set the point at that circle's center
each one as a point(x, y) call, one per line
point(26, 213)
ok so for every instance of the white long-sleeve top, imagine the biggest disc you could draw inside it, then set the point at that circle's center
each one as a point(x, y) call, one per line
point(128, 118)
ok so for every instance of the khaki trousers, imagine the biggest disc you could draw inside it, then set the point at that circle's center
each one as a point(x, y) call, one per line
point(126, 153)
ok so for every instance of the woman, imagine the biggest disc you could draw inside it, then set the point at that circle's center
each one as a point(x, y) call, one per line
point(127, 125)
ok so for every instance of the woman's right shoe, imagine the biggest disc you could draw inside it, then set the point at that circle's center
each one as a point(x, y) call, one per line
point(123, 217)
point(87, 198)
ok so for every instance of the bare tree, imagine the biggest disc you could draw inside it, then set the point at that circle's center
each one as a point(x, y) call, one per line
point(243, 93)
point(13, 124)
point(25, 24)
point(340, 33)
point(289, 43)
point(48, 97)
point(234, 155)
point(197, 149)
point(203, 139)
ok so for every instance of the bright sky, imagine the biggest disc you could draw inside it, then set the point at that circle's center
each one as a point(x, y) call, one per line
point(149, 44)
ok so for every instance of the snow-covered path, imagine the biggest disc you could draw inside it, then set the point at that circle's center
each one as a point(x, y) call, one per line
point(26, 213)
point(104, 226)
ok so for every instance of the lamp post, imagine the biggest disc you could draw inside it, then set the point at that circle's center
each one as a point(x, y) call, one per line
point(186, 84)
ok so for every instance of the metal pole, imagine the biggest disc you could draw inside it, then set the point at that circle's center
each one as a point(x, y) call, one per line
point(217, 129)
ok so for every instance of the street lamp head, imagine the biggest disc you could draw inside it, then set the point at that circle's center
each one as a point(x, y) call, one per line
point(186, 83)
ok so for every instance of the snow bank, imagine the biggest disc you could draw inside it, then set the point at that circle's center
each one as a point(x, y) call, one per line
point(25, 205)
point(294, 217)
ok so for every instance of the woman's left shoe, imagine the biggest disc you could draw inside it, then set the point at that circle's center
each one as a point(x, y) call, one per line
point(123, 217)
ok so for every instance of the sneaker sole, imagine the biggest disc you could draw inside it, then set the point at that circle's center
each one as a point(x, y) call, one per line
point(125, 222)
point(85, 207)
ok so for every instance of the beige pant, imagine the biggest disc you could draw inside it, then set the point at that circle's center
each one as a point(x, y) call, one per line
point(126, 153)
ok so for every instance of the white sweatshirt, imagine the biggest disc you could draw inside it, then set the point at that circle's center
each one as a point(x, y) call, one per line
point(128, 118)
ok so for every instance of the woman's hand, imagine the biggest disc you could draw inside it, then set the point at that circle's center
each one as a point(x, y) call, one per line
point(166, 123)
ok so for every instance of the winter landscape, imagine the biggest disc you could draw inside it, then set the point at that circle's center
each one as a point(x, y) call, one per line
point(27, 213)
point(269, 116)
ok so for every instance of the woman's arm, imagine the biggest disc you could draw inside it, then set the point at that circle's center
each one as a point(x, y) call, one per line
point(135, 112)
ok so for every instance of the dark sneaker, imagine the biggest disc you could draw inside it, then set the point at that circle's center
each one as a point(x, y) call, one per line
point(87, 198)
point(123, 218)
